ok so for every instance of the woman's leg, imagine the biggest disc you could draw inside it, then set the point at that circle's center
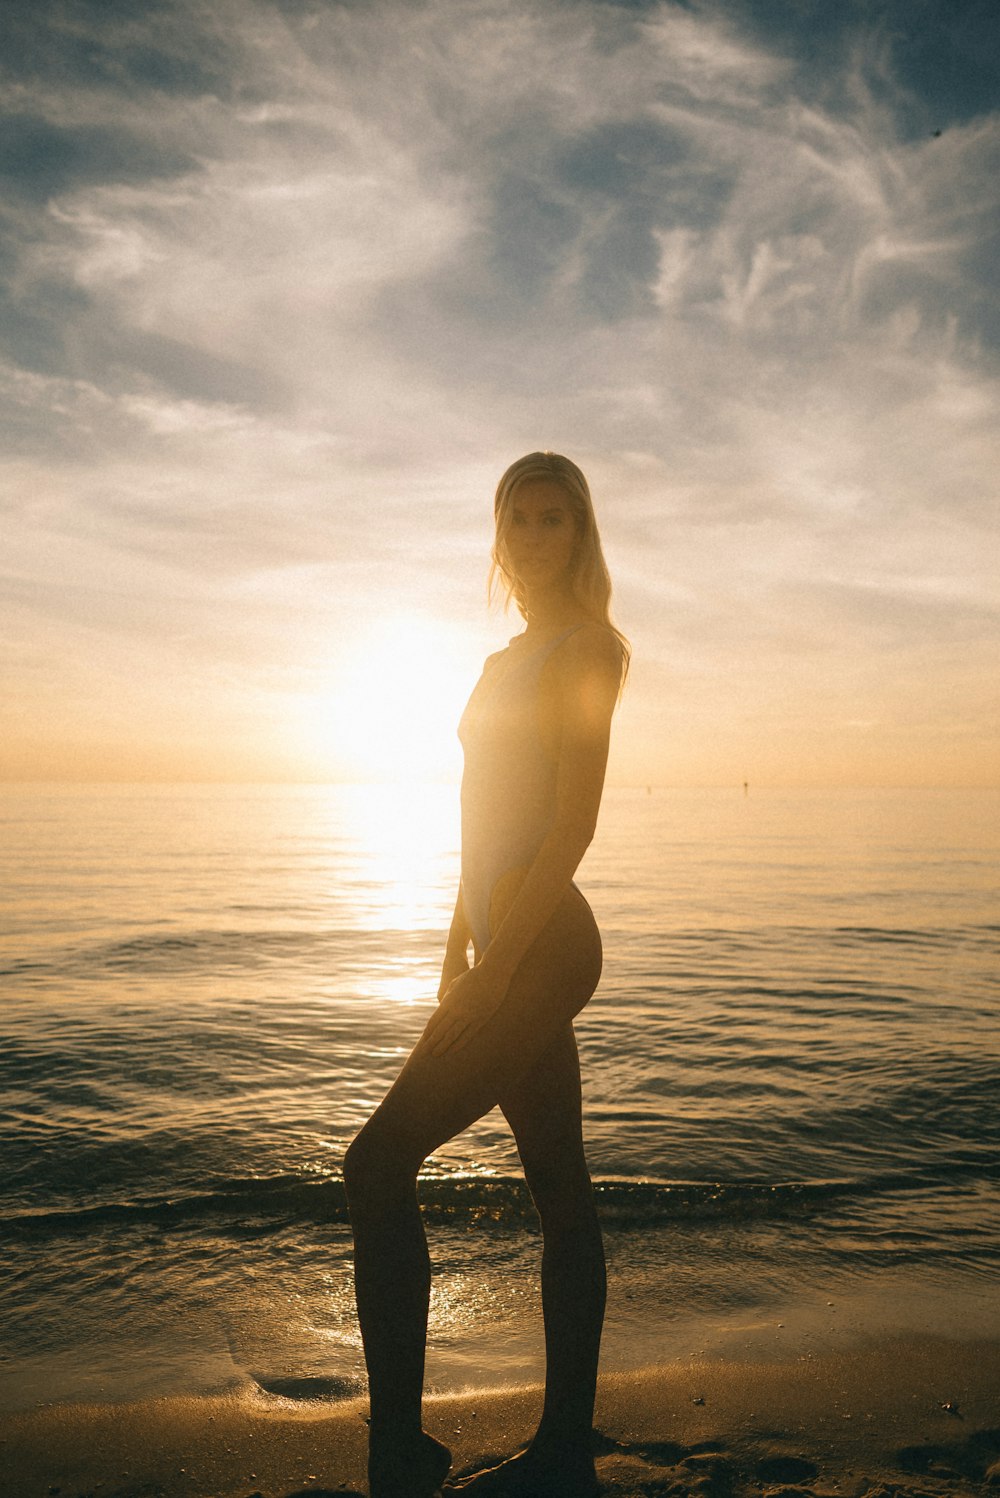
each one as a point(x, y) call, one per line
point(544, 1111)
point(434, 1098)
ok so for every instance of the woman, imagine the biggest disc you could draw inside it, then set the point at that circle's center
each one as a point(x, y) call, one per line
point(535, 735)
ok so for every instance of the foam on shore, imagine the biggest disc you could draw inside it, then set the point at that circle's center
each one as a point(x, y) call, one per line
point(916, 1416)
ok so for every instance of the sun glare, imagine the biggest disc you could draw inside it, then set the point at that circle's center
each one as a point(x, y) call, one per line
point(392, 710)
point(406, 839)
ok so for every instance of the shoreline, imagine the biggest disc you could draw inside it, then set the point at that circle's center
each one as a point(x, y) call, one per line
point(900, 1416)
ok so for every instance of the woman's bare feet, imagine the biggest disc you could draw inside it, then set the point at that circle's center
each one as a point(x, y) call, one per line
point(402, 1472)
point(533, 1473)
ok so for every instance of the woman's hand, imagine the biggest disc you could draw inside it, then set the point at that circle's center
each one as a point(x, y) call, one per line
point(455, 964)
point(468, 1003)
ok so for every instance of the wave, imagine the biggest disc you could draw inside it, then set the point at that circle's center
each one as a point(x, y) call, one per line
point(463, 1202)
point(182, 951)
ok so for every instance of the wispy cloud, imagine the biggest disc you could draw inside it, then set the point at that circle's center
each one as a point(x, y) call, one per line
point(283, 287)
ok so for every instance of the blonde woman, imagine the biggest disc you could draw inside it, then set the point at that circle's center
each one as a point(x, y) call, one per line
point(535, 736)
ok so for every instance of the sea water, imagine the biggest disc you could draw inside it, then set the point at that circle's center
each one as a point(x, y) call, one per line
point(791, 1073)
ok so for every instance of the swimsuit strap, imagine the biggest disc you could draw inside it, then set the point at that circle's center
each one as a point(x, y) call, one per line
point(550, 645)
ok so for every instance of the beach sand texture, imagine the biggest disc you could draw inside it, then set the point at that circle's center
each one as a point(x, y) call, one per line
point(914, 1417)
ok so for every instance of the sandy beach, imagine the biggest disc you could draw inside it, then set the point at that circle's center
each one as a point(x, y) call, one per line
point(918, 1417)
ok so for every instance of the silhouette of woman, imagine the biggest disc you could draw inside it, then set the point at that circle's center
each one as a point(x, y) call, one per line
point(535, 735)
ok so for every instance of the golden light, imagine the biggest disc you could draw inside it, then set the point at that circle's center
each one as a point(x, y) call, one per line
point(405, 865)
point(392, 710)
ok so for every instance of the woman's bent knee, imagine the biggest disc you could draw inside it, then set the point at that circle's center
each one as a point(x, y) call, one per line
point(363, 1169)
point(374, 1173)
point(354, 1169)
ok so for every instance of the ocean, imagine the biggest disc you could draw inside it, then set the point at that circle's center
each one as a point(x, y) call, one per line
point(791, 1073)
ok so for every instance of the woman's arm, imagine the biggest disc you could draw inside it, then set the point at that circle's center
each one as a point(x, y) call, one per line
point(456, 952)
point(590, 674)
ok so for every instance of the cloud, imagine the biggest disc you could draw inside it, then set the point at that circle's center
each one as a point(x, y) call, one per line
point(285, 286)
point(125, 49)
point(40, 160)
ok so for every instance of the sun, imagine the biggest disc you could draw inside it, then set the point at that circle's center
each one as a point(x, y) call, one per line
point(392, 710)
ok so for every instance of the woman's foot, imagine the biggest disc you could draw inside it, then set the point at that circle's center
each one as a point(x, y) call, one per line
point(534, 1474)
point(399, 1471)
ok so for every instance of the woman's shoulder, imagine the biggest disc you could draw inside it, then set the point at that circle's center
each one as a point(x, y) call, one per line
point(593, 644)
point(494, 657)
point(590, 660)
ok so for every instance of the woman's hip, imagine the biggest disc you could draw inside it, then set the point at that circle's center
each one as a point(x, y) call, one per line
point(565, 957)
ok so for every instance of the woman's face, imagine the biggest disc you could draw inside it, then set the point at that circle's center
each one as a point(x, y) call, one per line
point(541, 535)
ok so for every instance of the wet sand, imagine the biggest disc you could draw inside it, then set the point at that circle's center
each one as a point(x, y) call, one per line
point(898, 1418)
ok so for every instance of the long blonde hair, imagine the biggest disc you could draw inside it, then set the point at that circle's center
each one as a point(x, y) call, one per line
point(591, 579)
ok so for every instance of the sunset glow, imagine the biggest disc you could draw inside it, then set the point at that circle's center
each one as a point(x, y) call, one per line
point(392, 709)
point(286, 288)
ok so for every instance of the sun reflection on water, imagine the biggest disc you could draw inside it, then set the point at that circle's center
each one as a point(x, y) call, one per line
point(409, 987)
point(405, 840)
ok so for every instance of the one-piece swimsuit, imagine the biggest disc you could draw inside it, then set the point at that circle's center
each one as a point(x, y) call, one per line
point(509, 781)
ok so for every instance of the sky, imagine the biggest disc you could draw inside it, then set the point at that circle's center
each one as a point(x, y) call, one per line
point(285, 287)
